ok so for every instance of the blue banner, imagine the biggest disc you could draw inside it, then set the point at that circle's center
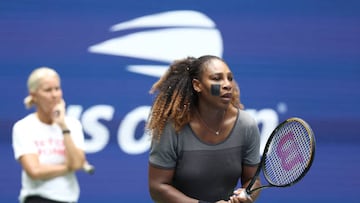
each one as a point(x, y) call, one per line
point(290, 58)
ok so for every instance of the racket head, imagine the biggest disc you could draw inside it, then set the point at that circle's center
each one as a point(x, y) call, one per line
point(289, 153)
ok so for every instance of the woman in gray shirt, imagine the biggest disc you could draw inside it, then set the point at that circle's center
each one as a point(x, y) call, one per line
point(203, 142)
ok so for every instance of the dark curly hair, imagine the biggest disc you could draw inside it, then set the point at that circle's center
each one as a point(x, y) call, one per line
point(176, 96)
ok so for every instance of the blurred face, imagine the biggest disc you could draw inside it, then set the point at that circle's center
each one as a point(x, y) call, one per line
point(47, 95)
point(216, 84)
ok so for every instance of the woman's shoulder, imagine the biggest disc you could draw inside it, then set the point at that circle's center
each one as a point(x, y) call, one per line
point(25, 123)
point(246, 118)
point(28, 119)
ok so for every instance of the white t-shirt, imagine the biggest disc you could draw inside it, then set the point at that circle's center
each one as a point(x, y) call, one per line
point(31, 136)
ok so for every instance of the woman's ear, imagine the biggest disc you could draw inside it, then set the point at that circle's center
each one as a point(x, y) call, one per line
point(33, 97)
point(196, 85)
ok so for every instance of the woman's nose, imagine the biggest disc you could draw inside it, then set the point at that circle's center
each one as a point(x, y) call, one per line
point(55, 93)
point(227, 85)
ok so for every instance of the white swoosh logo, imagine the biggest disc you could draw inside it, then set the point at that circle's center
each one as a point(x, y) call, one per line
point(173, 35)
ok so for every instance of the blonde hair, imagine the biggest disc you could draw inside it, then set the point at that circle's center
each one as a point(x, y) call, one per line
point(33, 82)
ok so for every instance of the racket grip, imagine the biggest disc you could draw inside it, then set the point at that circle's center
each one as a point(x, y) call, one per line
point(88, 168)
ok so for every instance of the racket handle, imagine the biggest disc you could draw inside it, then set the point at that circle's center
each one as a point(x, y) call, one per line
point(88, 168)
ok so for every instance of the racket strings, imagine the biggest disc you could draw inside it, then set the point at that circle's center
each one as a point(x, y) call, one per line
point(289, 154)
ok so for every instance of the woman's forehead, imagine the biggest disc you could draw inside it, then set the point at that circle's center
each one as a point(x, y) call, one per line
point(49, 81)
point(216, 66)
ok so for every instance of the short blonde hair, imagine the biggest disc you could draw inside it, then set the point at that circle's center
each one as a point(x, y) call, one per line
point(33, 82)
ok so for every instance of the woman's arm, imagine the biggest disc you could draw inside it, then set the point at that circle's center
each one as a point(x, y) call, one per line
point(75, 157)
point(160, 187)
point(247, 174)
point(30, 163)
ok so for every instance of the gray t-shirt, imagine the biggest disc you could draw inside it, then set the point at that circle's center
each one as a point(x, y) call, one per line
point(208, 172)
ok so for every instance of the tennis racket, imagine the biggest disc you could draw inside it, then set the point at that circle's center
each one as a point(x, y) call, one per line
point(287, 157)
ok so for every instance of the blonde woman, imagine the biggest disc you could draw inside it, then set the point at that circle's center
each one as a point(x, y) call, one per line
point(48, 145)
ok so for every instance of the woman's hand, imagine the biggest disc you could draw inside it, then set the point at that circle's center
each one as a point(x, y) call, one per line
point(240, 196)
point(58, 114)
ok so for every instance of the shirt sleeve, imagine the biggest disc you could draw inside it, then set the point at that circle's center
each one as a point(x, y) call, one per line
point(163, 151)
point(21, 142)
